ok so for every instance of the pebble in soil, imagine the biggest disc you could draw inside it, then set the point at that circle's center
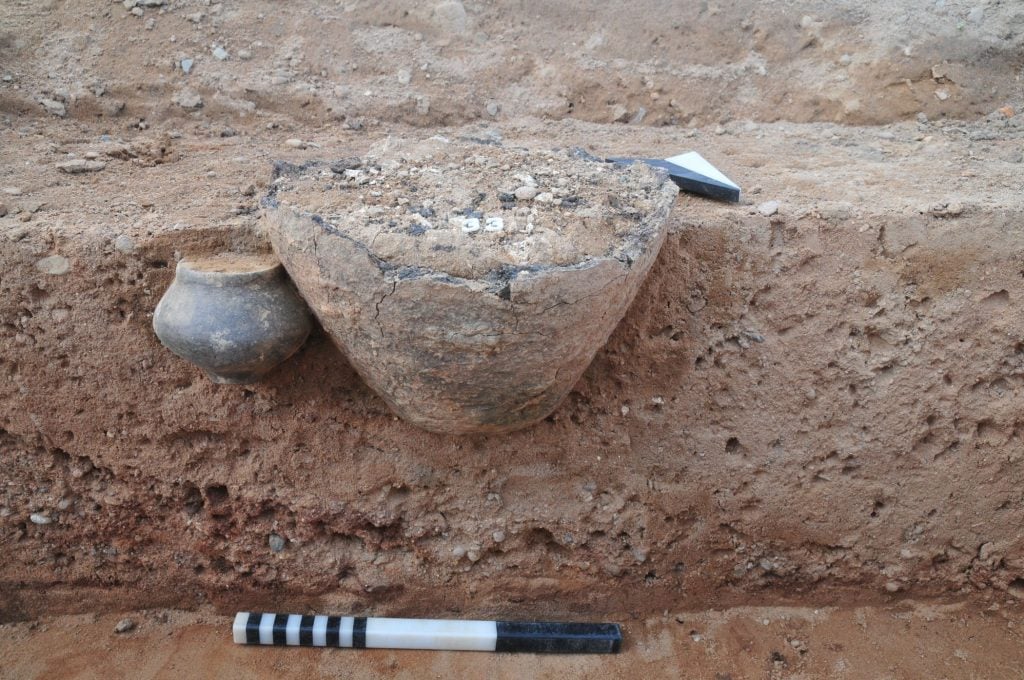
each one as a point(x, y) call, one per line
point(124, 626)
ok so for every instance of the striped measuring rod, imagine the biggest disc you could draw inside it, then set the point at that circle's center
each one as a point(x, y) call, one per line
point(255, 628)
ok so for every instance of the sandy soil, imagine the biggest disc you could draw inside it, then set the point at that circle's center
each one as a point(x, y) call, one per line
point(907, 641)
point(363, 63)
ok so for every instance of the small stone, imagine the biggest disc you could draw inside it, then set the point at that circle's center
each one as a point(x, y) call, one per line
point(295, 143)
point(346, 164)
point(494, 224)
point(124, 626)
point(953, 208)
point(219, 53)
point(525, 193)
point(473, 555)
point(768, 208)
point(276, 543)
point(54, 264)
point(892, 587)
point(493, 109)
point(124, 243)
point(244, 54)
point(1006, 111)
point(17, 234)
point(80, 165)
point(458, 551)
point(187, 99)
point(470, 225)
point(404, 77)
point(450, 16)
point(12, 191)
point(39, 518)
point(976, 15)
point(54, 107)
point(138, 11)
point(128, 4)
point(498, 536)
point(544, 197)
point(941, 95)
point(150, 24)
point(846, 60)
point(195, 17)
point(186, 65)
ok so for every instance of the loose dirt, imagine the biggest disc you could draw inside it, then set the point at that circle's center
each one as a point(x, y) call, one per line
point(472, 209)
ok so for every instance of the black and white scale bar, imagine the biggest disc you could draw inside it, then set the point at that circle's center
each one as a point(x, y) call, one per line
point(693, 173)
point(255, 628)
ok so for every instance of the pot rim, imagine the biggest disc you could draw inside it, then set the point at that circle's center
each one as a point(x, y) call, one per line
point(243, 269)
point(625, 252)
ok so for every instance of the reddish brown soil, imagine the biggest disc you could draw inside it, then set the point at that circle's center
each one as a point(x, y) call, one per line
point(906, 642)
point(817, 406)
point(821, 404)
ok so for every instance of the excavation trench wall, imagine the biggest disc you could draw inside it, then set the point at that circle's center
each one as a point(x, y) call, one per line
point(822, 404)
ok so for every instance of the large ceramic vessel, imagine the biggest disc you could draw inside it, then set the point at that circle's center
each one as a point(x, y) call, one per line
point(234, 316)
point(423, 300)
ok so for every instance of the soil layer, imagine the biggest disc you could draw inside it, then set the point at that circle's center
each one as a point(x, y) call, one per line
point(903, 642)
point(815, 397)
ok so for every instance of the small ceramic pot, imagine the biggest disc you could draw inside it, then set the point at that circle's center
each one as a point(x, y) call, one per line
point(234, 316)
